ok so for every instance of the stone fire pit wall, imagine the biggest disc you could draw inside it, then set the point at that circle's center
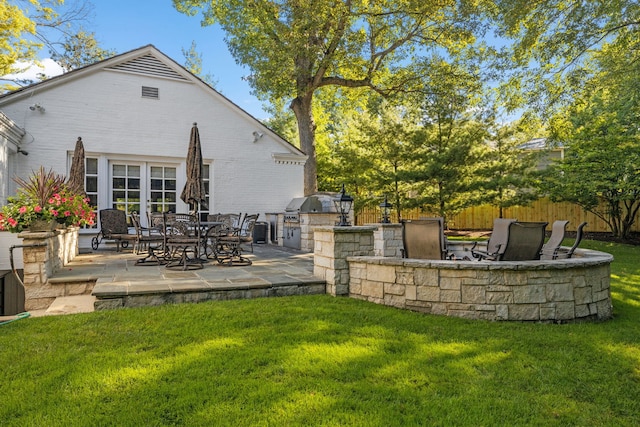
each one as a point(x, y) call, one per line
point(557, 290)
point(549, 290)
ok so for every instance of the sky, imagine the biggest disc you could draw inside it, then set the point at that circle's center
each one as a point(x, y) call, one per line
point(124, 25)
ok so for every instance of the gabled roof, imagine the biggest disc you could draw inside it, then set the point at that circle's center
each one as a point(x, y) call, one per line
point(146, 60)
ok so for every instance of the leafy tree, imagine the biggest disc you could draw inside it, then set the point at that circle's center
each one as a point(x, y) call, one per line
point(14, 47)
point(79, 50)
point(554, 40)
point(294, 48)
point(26, 26)
point(448, 148)
point(384, 151)
point(510, 170)
point(447, 159)
point(601, 169)
point(193, 63)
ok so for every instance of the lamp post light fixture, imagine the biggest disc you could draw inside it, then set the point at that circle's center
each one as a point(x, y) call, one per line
point(385, 208)
point(343, 206)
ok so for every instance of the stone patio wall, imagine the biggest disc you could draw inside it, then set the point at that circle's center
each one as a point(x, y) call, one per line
point(550, 290)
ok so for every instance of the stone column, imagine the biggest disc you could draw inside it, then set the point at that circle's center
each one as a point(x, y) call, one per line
point(332, 246)
point(387, 240)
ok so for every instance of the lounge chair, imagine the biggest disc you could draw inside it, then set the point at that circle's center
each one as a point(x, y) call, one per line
point(563, 252)
point(424, 239)
point(524, 242)
point(497, 240)
point(113, 226)
point(551, 247)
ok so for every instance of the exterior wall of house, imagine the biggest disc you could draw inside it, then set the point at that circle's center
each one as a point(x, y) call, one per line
point(116, 123)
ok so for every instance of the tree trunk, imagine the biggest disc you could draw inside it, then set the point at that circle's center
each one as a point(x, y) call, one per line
point(301, 107)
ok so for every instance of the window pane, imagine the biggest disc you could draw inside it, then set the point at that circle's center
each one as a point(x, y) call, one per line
point(119, 183)
point(91, 166)
point(119, 170)
point(134, 171)
point(134, 183)
point(91, 184)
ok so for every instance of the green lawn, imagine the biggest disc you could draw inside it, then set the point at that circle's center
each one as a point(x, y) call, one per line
point(320, 360)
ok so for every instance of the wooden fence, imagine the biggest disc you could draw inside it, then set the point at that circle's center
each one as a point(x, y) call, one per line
point(481, 217)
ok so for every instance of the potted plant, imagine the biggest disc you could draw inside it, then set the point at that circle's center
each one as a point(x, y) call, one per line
point(42, 202)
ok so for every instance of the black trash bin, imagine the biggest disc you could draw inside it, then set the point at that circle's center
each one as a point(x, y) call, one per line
point(260, 232)
point(11, 294)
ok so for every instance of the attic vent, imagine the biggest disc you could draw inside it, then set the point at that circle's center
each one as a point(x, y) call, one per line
point(149, 92)
point(148, 65)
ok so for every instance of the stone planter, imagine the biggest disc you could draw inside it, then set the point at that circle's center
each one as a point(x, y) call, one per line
point(39, 226)
point(44, 253)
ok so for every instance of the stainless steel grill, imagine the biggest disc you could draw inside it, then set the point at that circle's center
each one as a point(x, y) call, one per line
point(292, 229)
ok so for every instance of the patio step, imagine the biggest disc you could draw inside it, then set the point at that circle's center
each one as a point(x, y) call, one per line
point(68, 305)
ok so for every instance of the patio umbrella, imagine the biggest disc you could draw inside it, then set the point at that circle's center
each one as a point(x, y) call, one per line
point(193, 192)
point(76, 173)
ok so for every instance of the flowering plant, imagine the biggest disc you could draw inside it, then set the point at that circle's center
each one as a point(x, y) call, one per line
point(45, 197)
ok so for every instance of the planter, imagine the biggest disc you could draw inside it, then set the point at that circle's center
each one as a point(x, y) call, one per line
point(42, 225)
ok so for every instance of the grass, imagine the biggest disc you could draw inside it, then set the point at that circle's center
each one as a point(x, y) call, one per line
point(320, 360)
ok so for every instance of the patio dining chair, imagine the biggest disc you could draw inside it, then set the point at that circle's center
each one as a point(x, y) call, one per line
point(229, 247)
point(182, 242)
point(113, 226)
point(152, 242)
point(497, 240)
point(552, 246)
point(424, 238)
point(524, 242)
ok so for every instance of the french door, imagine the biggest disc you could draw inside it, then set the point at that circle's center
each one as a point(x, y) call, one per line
point(141, 187)
point(148, 187)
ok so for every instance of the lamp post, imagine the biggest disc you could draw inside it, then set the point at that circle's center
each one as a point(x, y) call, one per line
point(385, 209)
point(343, 206)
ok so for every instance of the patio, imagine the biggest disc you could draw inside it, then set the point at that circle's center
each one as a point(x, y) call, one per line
point(115, 281)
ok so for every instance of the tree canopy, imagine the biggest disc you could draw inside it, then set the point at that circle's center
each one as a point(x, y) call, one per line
point(294, 47)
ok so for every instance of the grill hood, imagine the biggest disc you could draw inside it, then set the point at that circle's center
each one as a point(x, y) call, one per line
point(304, 204)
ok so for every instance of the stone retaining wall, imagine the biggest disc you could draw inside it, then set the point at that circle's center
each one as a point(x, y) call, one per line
point(112, 296)
point(558, 290)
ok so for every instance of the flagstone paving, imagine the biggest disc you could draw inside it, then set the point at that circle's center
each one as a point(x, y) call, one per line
point(274, 271)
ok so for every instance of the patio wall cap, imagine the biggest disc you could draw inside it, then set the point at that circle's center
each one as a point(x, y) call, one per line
point(582, 258)
point(345, 229)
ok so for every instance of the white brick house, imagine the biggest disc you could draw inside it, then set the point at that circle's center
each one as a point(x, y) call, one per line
point(134, 113)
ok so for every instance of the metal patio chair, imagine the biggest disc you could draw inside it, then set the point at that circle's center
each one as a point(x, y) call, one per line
point(113, 226)
point(563, 252)
point(497, 240)
point(229, 247)
point(152, 242)
point(182, 237)
point(552, 246)
point(524, 242)
point(424, 238)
